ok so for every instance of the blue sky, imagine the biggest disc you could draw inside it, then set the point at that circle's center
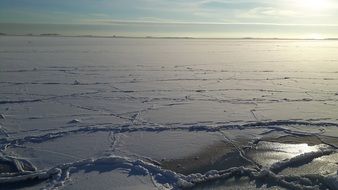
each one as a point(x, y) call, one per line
point(197, 18)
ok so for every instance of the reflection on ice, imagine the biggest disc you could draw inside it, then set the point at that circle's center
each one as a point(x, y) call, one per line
point(268, 153)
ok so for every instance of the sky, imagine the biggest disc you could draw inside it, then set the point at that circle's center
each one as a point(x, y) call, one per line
point(173, 18)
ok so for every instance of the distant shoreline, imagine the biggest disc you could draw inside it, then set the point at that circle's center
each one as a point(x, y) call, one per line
point(157, 37)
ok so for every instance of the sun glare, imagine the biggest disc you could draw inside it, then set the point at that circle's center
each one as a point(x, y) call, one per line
point(315, 36)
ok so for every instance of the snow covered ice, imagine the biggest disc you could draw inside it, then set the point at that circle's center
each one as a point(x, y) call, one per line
point(85, 113)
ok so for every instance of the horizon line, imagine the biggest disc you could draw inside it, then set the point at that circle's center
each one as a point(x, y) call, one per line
point(161, 37)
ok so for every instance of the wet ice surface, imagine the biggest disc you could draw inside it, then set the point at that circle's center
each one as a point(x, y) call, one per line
point(167, 114)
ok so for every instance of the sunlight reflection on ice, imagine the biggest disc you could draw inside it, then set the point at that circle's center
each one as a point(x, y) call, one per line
point(268, 153)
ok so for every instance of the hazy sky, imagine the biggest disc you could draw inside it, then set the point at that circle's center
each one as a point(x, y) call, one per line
point(197, 18)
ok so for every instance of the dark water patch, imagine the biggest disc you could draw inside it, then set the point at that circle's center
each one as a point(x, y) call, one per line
point(219, 156)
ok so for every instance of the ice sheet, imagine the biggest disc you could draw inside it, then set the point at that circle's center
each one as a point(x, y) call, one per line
point(167, 113)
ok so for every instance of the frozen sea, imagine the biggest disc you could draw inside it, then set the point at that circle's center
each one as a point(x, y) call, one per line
point(113, 113)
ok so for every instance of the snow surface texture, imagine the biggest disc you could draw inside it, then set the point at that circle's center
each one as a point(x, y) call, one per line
point(94, 113)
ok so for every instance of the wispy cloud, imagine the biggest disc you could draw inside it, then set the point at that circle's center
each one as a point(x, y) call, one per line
point(261, 12)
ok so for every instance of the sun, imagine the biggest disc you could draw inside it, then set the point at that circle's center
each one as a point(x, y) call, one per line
point(314, 5)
